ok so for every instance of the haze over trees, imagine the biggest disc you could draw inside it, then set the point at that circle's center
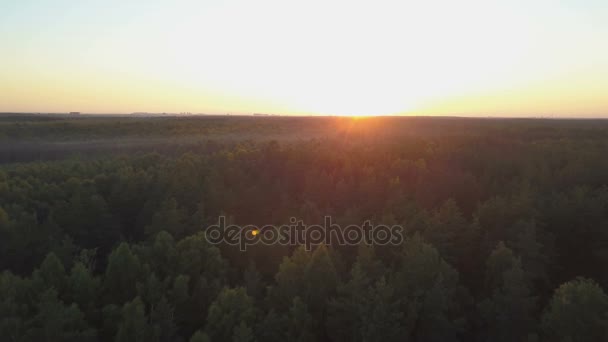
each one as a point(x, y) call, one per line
point(102, 229)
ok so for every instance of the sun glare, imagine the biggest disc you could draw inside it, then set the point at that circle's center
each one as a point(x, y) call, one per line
point(393, 64)
point(337, 57)
point(380, 60)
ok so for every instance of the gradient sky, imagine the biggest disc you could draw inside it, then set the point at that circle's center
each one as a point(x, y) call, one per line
point(488, 58)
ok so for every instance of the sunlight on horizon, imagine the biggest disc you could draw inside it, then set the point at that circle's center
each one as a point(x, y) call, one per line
point(357, 58)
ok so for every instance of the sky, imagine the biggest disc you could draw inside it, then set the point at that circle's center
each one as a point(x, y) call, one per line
point(328, 57)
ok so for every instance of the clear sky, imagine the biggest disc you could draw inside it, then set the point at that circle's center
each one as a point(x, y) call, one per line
point(488, 58)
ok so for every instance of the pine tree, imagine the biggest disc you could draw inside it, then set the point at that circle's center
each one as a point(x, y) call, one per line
point(253, 281)
point(202, 271)
point(577, 312)
point(301, 324)
point(13, 307)
point(381, 318)
point(273, 328)
point(168, 218)
point(122, 273)
point(51, 274)
point(84, 288)
point(231, 308)
point(321, 281)
point(508, 311)
point(55, 321)
point(242, 333)
point(366, 309)
point(162, 322)
point(430, 291)
point(134, 326)
point(200, 336)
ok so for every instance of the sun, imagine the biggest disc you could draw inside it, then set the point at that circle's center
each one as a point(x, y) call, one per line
point(353, 100)
point(361, 117)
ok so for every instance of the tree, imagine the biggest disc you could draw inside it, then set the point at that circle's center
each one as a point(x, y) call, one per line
point(508, 311)
point(289, 279)
point(134, 326)
point(51, 274)
point(366, 309)
point(151, 290)
point(161, 320)
point(432, 296)
point(369, 262)
point(122, 273)
point(320, 280)
point(200, 336)
point(23, 241)
point(531, 245)
point(201, 276)
point(301, 324)
point(111, 320)
point(577, 312)
point(500, 260)
point(55, 321)
point(197, 258)
point(242, 333)
point(381, 318)
point(273, 328)
point(87, 219)
point(345, 312)
point(162, 255)
point(84, 288)
point(310, 276)
point(168, 218)
point(180, 299)
point(253, 281)
point(3, 220)
point(452, 235)
point(13, 306)
point(496, 218)
point(231, 308)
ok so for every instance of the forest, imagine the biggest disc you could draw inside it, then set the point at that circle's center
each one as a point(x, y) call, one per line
point(103, 219)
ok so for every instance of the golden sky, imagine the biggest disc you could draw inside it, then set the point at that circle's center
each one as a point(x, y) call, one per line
point(485, 58)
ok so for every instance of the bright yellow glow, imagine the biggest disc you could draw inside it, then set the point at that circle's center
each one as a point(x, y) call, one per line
point(255, 232)
point(359, 58)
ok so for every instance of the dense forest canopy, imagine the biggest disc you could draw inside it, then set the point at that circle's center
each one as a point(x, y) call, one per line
point(102, 229)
